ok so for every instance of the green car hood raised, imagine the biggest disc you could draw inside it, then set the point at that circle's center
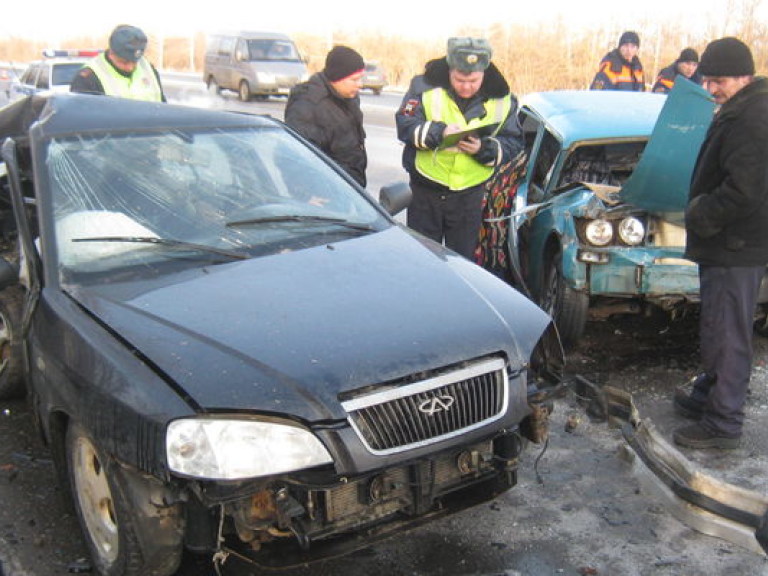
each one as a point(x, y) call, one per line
point(660, 182)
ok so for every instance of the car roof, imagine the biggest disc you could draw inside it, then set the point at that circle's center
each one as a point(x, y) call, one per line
point(596, 114)
point(66, 114)
point(60, 60)
point(255, 35)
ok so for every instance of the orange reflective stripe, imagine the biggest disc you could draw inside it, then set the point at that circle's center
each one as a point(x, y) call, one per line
point(625, 75)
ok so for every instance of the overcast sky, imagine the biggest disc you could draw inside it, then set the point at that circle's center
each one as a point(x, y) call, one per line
point(53, 20)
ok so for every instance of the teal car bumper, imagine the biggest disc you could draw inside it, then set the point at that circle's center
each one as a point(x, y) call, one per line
point(660, 275)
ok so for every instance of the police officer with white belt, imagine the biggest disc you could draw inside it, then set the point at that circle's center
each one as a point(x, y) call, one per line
point(122, 70)
point(462, 93)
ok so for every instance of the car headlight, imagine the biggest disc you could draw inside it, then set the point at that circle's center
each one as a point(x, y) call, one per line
point(265, 78)
point(599, 232)
point(631, 231)
point(238, 449)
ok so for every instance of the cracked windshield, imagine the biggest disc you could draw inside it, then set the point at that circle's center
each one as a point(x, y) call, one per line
point(195, 196)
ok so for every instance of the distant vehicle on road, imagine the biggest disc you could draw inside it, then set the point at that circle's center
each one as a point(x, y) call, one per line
point(9, 72)
point(259, 64)
point(54, 73)
point(374, 77)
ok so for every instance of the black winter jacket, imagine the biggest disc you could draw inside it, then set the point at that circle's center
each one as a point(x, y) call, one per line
point(411, 119)
point(334, 124)
point(727, 214)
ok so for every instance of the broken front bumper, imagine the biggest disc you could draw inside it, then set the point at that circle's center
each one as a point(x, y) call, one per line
point(704, 503)
point(639, 271)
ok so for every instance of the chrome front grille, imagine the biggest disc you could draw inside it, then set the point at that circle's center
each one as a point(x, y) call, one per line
point(431, 410)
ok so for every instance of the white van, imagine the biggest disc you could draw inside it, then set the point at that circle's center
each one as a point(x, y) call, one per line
point(253, 64)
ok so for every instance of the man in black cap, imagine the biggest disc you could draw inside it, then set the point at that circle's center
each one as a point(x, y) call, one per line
point(326, 110)
point(727, 236)
point(621, 69)
point(686, 66)
point(459, 125)
point(121, 70)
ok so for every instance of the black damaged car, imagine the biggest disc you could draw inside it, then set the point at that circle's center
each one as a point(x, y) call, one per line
point(229, 346)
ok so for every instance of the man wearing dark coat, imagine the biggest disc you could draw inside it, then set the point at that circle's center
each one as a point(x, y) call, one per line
point(726, 221)
point(326, 111)
point(686, 66)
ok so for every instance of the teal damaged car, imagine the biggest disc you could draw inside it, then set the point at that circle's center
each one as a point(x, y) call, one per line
point(599, 214)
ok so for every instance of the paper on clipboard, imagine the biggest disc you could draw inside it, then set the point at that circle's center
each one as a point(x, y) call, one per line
point(453, 139)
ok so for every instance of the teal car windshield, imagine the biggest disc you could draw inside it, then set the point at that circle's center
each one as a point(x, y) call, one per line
point(135, 199)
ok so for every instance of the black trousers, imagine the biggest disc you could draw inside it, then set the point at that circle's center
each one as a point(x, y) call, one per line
point(450, 218)
point(728, 300)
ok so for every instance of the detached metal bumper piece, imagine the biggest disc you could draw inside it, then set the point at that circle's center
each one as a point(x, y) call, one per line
point(702, 502)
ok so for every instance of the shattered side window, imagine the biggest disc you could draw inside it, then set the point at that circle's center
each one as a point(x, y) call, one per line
point(124, 200)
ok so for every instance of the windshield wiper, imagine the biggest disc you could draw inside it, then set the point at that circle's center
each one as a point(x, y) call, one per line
point(178, 244)
point(301, 218)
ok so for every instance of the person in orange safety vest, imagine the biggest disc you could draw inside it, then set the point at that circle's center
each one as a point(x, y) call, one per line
point(686, 65)
point(621, 69)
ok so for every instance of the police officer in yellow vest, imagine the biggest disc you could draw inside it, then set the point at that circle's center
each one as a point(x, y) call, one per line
point(122, 70)
point(458, 123)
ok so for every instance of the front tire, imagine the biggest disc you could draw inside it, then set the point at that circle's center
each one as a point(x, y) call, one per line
point(244, 91)
point(567, 307)
point(105, 514)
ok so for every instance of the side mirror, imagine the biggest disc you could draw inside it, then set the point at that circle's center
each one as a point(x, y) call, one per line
point(396, 197)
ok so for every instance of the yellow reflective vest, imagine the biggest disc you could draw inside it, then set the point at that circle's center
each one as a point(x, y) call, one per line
point(141, 85)
point(449, 166)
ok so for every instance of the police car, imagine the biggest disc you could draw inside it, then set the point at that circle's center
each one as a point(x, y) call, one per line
point(54, 73)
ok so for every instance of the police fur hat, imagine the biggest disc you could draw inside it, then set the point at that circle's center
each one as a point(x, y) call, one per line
point(688, 55)
point(727, 57)
point(629, 37)
point(469, 54)
point(128, 42)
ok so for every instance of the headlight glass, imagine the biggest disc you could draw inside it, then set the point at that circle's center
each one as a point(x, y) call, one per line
point(238, 449)
point(599, 232)
point(631, 231)
point(265, 78)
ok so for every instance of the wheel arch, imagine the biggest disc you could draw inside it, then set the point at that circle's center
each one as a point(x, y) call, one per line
point(150, 511)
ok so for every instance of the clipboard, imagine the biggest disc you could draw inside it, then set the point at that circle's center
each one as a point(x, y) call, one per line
point(453, 139)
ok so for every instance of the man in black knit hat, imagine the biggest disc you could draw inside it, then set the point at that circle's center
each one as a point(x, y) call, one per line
point(727, 236)
point(686, 65)
point(621, 68)
point(326, 110)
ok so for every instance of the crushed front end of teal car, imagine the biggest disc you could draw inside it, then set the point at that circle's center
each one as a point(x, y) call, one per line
point(599, 216)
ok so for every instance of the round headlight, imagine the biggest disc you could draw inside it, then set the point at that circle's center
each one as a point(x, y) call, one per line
point(631, 231)
point(599, 232)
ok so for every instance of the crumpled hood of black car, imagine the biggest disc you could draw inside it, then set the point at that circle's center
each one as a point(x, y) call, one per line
point(287, 333)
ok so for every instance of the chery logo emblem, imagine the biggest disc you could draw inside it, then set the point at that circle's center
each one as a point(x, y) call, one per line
point(436, 404)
